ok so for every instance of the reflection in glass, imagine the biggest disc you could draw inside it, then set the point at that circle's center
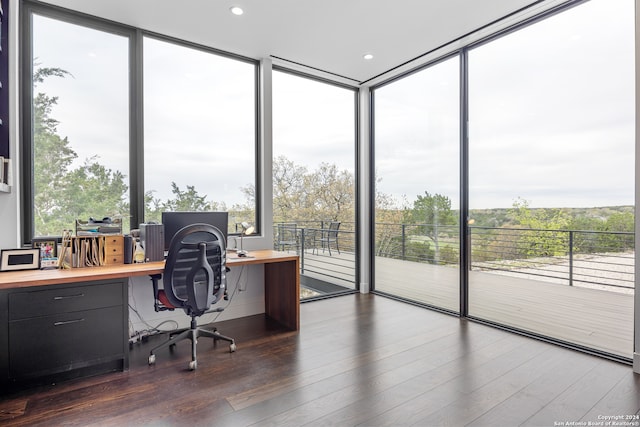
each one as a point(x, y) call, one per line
point(417, 186)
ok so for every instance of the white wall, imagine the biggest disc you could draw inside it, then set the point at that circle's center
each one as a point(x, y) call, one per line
point(366, 216)
point(9, 202)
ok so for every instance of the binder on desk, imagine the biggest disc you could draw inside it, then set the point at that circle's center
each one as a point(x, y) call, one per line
point(152, 240)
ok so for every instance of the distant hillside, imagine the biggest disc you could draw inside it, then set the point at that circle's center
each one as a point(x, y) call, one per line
point(499, 218)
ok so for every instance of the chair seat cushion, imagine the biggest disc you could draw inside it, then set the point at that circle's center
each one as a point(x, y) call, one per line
point(162, 297)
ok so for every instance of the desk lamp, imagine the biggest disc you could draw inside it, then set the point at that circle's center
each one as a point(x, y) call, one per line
point(246, 229)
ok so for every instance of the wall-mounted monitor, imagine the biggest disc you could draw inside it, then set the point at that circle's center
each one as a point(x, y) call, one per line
point(174, 221)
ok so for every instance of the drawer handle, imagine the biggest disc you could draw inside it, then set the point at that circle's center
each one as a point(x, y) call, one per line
point(67, 322)
point(68, 296)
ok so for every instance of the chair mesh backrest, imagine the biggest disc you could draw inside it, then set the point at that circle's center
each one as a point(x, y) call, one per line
point(195, 275)
point(333, 228)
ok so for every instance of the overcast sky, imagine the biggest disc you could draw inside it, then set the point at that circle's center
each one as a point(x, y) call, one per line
point(551, 115)
point(313, 122)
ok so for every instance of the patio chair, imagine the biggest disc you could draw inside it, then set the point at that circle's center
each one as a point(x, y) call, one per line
point(329, 237)
point(287, 236)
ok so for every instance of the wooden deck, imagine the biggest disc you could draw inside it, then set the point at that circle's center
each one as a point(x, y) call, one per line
point(337, 268)
point(594, 318)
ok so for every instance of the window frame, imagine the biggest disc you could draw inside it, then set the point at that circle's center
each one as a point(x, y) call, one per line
point(257, 139)
point(463, 48)
point(136, 107)
point(358, 150)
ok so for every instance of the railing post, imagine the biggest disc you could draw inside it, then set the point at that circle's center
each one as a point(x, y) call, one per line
point(403, 243)
point(302, 250)
point(571, 258)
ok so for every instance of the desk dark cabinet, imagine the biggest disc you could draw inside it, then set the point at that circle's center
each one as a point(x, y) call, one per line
point(64, 330)
point(60, 324)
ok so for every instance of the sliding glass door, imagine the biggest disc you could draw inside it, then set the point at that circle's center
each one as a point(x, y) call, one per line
point(551, 146)
point(417, 142)
point(550, 152)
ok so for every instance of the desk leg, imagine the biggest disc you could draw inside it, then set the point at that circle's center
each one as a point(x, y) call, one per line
point(282, 292)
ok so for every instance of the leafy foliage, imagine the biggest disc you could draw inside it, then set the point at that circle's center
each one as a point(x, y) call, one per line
point(63, 194)
point(300, 195)
point(425, 229)
point(544, 239)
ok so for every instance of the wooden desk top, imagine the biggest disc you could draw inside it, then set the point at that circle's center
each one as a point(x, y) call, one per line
point(27, 278)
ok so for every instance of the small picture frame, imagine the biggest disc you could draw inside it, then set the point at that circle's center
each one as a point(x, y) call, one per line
point(48, 247)
point(19, 259)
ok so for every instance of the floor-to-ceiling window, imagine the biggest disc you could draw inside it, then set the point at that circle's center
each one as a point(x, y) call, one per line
point(314, 204)
point(110, 130)
point(417, 174)
point(199, 131)
point(551, 179)
point(549, 187)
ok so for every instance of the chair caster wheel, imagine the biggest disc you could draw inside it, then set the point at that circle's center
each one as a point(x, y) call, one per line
point(193, 365)
point(232, 347)
point(152, 359)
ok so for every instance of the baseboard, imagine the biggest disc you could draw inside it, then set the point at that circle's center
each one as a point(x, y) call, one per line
point(636, 363)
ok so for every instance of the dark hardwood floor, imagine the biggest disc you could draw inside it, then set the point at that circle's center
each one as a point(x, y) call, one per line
point(357, 360)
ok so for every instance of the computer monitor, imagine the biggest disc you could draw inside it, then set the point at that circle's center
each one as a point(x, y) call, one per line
point(174, 221)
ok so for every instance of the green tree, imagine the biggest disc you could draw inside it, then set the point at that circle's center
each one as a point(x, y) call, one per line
point(543, 218)
point(620, 221)
point(63, 194)
point(290, 191)
point(433, 217)
point(52, 158)
point(326, 193)
point(188, 200)
point(389, 217)
point(548, 236)
point(331, 193)
point(619, 226)
point(97, 190)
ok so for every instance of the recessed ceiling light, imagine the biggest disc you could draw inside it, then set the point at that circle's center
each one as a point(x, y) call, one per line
point(236, 10)
point(367, 56)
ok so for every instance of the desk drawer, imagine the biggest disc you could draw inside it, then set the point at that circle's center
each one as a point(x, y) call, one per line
point(28, 304)
point(114, 245)
point(62, 342)
point(111, 259)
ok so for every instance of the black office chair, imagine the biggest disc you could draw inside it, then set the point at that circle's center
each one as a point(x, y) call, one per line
point(194, 279)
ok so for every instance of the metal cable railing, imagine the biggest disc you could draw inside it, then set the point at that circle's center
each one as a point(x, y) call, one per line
point(570, 257)
point(327, 256)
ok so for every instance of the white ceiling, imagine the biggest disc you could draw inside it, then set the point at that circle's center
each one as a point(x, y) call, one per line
point(330, 35)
